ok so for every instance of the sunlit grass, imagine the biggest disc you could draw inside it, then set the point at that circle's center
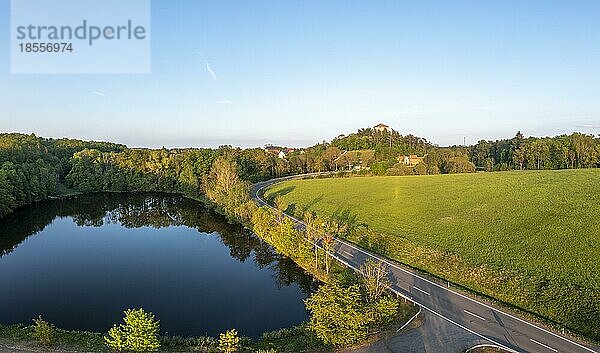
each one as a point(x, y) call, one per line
point(529, 238)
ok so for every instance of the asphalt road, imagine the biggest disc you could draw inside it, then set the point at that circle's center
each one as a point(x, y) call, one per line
point(495, 325)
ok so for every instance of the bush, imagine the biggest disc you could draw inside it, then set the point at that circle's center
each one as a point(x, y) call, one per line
point(460, 164)
point(420, 169)
point(345, 277)
point(229, 342)
point(433, 170)
point(138, 334)
point(384, 310)
point(43, 331)
point(379, 168)
point(394, 171)
point(337, 314)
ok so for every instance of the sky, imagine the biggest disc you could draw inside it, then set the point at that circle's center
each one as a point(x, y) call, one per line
point(249, 73)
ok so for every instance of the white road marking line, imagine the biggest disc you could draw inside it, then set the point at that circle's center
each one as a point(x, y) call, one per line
point(420, 290)
point(465, 297)
point(473, 314)
point(429, 309)
point(469, 330)
point(543, 345)
point(274, 181)
point(347, 253)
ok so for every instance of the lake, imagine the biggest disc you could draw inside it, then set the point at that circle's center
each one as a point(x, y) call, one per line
point(80, 262)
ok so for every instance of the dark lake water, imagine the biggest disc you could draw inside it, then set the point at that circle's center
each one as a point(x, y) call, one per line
point(80, 262)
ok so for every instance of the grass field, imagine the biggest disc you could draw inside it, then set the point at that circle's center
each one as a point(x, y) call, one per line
point(531, 239)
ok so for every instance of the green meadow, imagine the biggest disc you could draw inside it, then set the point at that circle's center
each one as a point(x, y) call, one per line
point(530, 239)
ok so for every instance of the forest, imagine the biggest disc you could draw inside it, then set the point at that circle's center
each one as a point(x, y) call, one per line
point(32, 168)
point(519, 153)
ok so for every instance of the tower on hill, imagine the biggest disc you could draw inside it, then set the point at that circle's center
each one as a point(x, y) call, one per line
point(382, 128)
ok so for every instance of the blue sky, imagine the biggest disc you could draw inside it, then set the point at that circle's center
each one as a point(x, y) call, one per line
point(249, 73)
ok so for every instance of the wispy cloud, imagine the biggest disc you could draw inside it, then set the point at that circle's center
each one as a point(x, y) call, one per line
point(211, 72)
point(589, 126)
point(100, 94)
point(225, 101)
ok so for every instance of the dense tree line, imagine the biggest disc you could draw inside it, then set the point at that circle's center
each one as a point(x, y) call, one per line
point(175, 170)
point(519, 153)
point(561, 152)
point(31, 167)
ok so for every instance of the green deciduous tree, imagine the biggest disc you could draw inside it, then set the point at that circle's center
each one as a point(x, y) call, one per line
point(138, 334)
point(383, 311)
point(337, 315)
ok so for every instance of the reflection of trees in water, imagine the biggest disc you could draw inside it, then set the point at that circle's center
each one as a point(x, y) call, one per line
point(150, 210)
point(24, 222)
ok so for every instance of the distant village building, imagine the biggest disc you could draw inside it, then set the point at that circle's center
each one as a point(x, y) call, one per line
point(281, 152)
point(382, 128)
point(357, 160)
point(410, 160)
point(272, 149)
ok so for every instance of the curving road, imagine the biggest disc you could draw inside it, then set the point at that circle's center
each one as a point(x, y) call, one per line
point(483, 320)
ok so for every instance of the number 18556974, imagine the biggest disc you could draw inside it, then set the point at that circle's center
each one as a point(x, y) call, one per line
point(45, 47)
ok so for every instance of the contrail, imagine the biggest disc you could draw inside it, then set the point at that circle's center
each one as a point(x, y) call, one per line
point(211, 72)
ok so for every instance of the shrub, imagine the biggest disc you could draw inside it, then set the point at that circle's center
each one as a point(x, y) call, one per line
point(460, 164)
point(43, 331)
point(384, 310)
point(434, 169)
point(420, 169)
point(394, 171)
point(229, 342)
point(379, 168)
point(337, 314)
point(138, 334)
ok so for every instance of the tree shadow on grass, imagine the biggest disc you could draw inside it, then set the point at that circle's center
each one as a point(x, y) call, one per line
point(346, 216)
point(286, 190)
point(310, 204)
